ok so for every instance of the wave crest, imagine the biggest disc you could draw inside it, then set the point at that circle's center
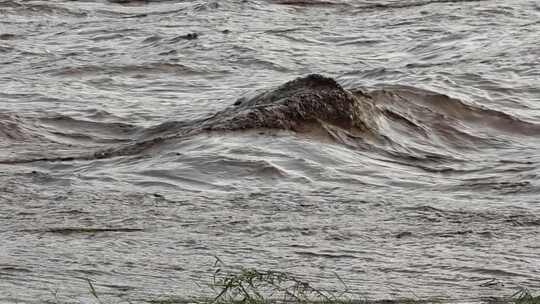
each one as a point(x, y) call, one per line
point(401, 122)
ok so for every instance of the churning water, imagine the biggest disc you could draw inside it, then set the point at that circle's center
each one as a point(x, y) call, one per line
point(139, 139)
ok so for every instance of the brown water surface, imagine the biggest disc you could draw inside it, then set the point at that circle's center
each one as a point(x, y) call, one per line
point(111, 170)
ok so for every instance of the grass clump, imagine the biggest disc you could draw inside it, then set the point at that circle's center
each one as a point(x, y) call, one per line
point(252, 286)
point(524, 296)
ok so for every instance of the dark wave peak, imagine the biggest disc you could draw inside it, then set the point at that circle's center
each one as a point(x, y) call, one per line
point(312, 99)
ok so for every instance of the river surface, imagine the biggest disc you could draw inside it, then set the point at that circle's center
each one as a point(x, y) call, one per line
point(447, 206)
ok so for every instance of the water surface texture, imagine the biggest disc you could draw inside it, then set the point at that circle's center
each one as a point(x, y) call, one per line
point(139, 139)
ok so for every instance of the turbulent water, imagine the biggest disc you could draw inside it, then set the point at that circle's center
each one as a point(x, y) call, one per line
point(140, 139)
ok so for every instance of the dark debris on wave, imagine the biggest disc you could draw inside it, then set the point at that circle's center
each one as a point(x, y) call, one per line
point(294, 105)
point(310, 82)
point(7, 36)
point(188, 36)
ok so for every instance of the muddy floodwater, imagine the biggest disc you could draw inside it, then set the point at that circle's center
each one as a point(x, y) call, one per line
point(141, 139)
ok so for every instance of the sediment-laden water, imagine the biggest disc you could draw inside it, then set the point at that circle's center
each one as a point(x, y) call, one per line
point(140, 139)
